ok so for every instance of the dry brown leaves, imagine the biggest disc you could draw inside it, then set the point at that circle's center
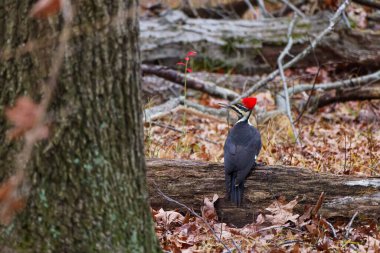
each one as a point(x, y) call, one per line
point(344, 139)
point(341, 139)
point(287, 232)
point(281, 212)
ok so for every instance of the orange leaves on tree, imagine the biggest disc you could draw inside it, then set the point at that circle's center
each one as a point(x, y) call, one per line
point(25, 115)
point(45, 8)
point(10, 201)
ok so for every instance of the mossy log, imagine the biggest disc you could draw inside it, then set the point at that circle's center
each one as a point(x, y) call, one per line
point(189, 182)
point(253, 45)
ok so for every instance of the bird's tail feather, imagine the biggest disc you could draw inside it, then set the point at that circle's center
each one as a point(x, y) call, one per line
point(236, 191)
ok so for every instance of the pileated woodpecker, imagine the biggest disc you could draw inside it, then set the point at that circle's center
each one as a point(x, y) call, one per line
point(241, 150)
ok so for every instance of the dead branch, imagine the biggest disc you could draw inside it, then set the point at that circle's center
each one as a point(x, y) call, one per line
point(284, 53)
point(175, 104)
point(367, 93)
point(370, 3)
point(294, 8)
point(191, 82)
point(161, 110)
point(349, 83)
point(301, 55)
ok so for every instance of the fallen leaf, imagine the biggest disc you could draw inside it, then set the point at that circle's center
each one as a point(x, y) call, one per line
point(168, 217)
point(208, 210)
point(282, 213)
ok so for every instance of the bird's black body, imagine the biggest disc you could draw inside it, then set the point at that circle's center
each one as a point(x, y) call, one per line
point(241, 149)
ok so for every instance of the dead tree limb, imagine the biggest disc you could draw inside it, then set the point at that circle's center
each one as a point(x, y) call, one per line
point(254, 45)
point(332, 23)
point(370, 3)
point(161, 110)
point(367, 93)
point(349, 83)
point(280, 59)
point(191, 82)
point(175, 104)
point(190, 181)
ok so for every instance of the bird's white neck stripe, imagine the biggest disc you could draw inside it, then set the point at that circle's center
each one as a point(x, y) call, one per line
point(244, 119)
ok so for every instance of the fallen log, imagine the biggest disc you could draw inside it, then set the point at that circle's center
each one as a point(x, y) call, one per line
point(253, 45)
point(189, 182)
point(367, 93)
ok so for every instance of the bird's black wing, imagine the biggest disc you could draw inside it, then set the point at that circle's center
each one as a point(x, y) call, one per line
point(247, 155)
point(241, 149)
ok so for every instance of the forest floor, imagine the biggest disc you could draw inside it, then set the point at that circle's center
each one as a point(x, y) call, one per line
point(342, 138)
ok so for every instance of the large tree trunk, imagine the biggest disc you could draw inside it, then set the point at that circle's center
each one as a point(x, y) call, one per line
point(189, 182)
point(88, 180)
point(254, 45)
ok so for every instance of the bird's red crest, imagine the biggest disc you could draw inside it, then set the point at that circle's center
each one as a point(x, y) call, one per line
point(249, 102)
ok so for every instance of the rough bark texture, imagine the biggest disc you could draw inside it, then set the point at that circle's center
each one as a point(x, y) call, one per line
point(88, 181)
point(366, 93)
point(253, 45)
point(189, 182)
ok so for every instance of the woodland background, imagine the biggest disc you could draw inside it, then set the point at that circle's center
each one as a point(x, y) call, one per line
point(91, 88)
point(238, 45)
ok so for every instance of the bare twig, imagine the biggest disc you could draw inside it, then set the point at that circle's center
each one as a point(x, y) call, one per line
point(331, 228)
point(161, 110)
point(349, 83)
point(311, 93)
point(294, 8)
point(250, 6)
point(280, 67)
point(309, 97)
point(193, 213)
point(301, 55)
point(318, 205)
point(348, 227)
point(263, 10)
point(179, 131)
point(288, 242)
point(191, 82)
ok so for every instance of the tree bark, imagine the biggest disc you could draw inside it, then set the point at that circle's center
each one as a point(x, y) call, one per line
point(189, 182)
point(359, 94)
point(88, 180)
point(253, 45)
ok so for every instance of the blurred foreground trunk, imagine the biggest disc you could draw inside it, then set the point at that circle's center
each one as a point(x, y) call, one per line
point(88, 181)
point(189, 182)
